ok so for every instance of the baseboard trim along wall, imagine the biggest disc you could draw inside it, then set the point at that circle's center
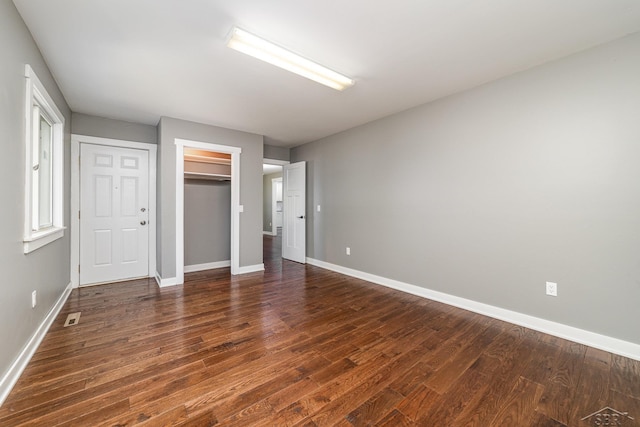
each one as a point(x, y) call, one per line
point(251, 268)
point(172, 281)
point(164, 283)
point(592, 339)
point(206, 266)
point(18, 366)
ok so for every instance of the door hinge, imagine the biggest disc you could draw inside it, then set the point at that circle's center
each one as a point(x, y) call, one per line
point(78, 214)
point(78, 268)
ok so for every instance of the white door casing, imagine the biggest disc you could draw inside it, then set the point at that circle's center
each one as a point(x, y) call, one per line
point(114, 213)
point(294, 224)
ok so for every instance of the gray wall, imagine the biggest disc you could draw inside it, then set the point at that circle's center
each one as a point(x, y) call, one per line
point(488, 194)
point(84, 124)
point(276, 153)
point(250, 188)
point(45, 270)
point(207, 221)
point(267, 210)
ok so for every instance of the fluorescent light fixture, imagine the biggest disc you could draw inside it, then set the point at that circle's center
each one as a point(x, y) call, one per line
point(257, 47)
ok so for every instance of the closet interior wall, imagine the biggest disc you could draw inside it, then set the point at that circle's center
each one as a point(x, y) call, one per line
point(207, 209)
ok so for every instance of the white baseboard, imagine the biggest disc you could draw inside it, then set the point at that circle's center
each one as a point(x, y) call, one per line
point(592, 339)
point(172, 281)
point(17, 367)
point(206, 266)
point(164, 283)
point(250, 268)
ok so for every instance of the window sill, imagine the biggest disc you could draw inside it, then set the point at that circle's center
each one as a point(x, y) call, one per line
point(42, 238)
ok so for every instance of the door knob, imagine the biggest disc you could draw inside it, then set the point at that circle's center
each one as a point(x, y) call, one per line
point(143, 209)
point(143, 222)
point(301, 217)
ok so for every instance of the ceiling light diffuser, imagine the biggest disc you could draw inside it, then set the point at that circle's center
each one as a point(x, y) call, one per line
point(259, 48)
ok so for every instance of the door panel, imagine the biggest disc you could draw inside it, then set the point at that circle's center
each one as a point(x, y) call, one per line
point(114, 194)
point(294, 226)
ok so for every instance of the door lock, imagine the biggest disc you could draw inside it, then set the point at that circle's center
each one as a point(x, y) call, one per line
point(143, 209)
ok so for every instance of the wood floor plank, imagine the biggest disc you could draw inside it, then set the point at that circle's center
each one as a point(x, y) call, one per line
point(283, 398)
point(626, 404)
point(173, 416)
point(204, 419)
point(559, 399)
point(414, 377)
point(375, 408)
point(624, 375)
point(97, 417)
point(394, 418)
point(418, 403)
point(594, 384)
point(501, 363)
point(450, 405)
point(373, 383)
point(519, 410)
point(300, 345)
point(447, 374)
point(540, 420)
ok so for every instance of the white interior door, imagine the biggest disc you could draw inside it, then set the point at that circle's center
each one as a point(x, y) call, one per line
point(294, 225)
point(114, 213)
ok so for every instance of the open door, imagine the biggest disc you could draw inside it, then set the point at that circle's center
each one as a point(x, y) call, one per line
point(295, 218)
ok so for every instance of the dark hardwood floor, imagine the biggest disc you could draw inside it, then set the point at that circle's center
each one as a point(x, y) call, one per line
point(299, 345)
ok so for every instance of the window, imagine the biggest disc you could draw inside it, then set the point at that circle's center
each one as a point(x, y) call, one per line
point(44, 166)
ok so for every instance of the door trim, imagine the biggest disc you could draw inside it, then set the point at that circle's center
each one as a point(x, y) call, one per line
point(236, 208)
point(76, 140)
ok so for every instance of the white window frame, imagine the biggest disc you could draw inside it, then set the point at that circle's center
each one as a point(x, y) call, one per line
point(38, 102)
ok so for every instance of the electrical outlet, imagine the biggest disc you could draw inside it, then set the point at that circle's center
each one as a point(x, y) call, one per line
point(34, 295)
point(552, 289)
point(348, 251)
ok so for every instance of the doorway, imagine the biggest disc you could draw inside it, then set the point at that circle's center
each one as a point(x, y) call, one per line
point(272, 206)
point(276, 205)
point(236, 208)
point(113, 200)
point(207, 210)
point(292, 207)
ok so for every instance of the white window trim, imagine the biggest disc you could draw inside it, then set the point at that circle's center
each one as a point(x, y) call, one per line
point(36, 93)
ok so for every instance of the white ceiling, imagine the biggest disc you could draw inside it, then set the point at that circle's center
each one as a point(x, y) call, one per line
point(143, 59)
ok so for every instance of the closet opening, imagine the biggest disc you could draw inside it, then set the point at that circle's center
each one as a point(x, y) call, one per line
point(207, 210)
point(219, 164)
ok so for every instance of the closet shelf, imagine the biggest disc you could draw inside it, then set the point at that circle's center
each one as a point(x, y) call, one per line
point(203, 156)
point(207, 176)
point(201, 164)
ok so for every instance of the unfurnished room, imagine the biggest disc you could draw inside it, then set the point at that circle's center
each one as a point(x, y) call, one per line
point(336, 213)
